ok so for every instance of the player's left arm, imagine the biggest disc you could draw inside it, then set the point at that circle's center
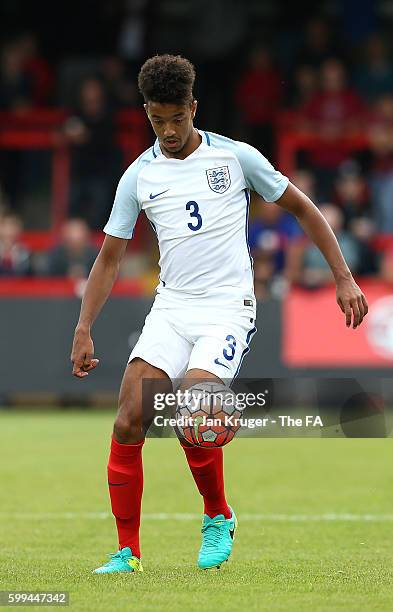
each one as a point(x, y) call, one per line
point(350, 297)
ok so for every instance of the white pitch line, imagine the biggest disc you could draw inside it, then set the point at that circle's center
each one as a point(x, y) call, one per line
point(166, 516)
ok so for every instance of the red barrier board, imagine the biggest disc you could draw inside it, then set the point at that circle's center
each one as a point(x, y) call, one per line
point(315, 335)
point(61, 287)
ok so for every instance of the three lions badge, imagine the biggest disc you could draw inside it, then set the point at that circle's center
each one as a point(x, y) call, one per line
point(219, 179)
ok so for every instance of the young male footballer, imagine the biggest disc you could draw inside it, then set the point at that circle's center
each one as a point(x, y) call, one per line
point(194, 187)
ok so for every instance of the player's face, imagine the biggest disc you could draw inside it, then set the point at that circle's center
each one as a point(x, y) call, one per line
point(172, 124)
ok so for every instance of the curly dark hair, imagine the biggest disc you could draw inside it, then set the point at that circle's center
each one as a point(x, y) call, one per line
point(167, 79)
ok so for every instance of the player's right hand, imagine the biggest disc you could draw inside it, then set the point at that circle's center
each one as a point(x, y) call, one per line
point(82, 354)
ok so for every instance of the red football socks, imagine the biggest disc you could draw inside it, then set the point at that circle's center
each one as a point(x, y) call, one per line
point(125, 480)
point(206, 465)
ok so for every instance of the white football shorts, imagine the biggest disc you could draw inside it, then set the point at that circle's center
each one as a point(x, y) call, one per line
point(185, 337)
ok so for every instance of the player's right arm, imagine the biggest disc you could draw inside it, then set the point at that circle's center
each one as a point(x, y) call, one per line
point(99, 285)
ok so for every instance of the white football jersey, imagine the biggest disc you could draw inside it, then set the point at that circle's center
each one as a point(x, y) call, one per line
point(198, 207)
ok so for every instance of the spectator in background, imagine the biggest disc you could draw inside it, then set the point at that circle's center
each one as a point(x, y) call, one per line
point(121, 89)
point(333, 112)
point(352, 193)
point(381, 175)
point(271, 233)
point(271, 230)
point(387, 265)
point(20, 168)
point(216, 39)
point(264, 275)
point(319, 44)
point(15, 83)
point(132, 34)
point(305, 181)
point(37, 69)
point(305, 85)
point(315, 271)
point(14, 257)
point(374, 77)
point(75, 255)
point(258, 96)
point(90, 132)
point(3, 202)
point(363, 230)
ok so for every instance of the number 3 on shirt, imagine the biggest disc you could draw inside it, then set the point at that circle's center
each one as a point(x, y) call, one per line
point(194, 208)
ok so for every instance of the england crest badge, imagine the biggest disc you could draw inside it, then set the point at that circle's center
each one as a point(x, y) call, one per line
point(219, 179)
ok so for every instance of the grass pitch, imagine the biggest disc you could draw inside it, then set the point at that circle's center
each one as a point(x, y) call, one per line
point(315, 521)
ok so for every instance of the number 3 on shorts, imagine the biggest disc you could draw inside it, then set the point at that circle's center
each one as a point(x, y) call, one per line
point(229, 352)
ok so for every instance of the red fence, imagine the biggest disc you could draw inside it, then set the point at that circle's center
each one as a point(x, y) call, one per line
point(62, 287)
point(40, 129)
point(293, 136)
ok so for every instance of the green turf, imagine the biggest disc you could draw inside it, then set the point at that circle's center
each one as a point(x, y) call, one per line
point(55, 463)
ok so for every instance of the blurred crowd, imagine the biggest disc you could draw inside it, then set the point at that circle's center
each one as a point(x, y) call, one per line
point(316, 82)
point(72, 257)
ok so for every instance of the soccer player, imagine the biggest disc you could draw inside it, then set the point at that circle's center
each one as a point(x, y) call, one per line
point(194, 188)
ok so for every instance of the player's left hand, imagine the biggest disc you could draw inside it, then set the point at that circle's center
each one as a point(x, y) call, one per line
point(352, 302)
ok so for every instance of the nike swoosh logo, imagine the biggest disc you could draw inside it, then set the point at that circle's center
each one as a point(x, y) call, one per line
point(117, 484)
point(152, 197)
point(221, 364)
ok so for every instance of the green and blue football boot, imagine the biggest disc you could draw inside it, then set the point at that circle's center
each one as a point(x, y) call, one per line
point(122, 561)
point(217, 540)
